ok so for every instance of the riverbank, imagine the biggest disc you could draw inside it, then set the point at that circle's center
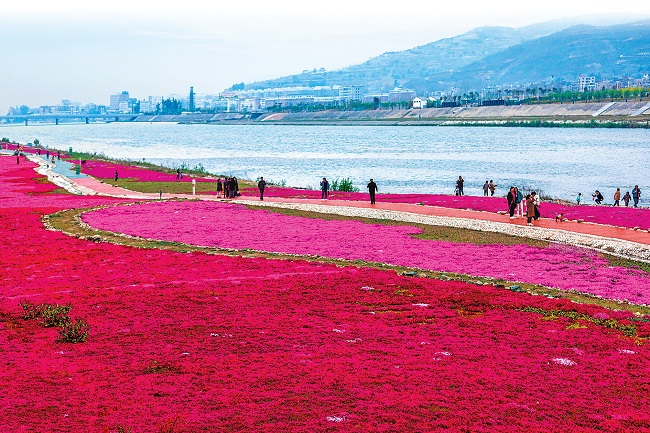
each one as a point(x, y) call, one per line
point(619, 114)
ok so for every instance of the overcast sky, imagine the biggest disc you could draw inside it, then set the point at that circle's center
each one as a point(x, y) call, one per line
point(84, 51)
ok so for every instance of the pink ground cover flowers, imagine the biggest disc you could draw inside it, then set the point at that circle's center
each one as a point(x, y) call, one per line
point(227, 344)
point(201, 223)
point(616, 216)
point(106, 170)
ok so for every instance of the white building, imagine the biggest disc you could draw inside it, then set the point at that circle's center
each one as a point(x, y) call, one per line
point(418, 103)
point(351, 93)
point(586, 84)
point(117, 99)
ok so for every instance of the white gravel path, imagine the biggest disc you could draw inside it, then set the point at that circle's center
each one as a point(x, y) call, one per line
point(617, 247)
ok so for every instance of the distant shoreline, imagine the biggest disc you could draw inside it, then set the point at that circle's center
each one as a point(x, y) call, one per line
point(620, 114)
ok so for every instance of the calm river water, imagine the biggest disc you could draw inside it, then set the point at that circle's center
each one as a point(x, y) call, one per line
point(404, 159)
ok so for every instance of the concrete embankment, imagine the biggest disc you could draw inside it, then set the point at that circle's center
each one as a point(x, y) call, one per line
point(593, 113)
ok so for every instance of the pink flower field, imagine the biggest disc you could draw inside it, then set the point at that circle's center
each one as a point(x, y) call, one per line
point(106, 170)
point(200, 223)
point(621, 216)
point(190, 342)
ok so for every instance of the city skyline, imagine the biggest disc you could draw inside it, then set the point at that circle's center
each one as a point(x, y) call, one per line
point(84, 53)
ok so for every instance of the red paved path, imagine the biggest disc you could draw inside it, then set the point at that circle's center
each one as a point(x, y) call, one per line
point(641, 237)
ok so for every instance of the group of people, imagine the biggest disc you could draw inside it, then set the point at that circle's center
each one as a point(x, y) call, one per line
point(489, 187)
point(518, 205)
point(228, 187)
point(598, 198)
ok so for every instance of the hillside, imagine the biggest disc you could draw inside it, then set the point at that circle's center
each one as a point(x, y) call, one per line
point(496, 56)
point(397, 68)
point(605, 52)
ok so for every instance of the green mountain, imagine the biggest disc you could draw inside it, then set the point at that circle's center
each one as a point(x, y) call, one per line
point(605, 52)
point(490, 56)
point(397, 68)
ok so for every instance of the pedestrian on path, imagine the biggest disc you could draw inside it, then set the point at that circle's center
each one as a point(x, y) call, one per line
point(261, 185)
point(617, 197)
point(459, 185)
point(492, 186)
point(519, 210)
point(530, 209)
point(626, 198)
point(598, 197)
point(324, 189)
point(579, 197)
point(512, 201)
point(536, 203)
point(372, 188)
point(219, 187)
point(116, 174)
point(486, 188)
point(636, 195)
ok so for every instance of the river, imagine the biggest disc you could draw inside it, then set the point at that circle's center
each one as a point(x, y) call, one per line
point(558, 162)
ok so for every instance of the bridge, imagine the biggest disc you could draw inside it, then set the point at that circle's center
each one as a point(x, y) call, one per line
point(57, 117)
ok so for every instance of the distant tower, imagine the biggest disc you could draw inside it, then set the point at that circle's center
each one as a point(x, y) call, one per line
point(191, 99)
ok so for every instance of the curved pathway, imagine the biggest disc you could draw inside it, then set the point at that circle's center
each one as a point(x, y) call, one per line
point(634, 244)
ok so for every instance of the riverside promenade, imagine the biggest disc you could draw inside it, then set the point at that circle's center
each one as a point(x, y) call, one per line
point(624, 242)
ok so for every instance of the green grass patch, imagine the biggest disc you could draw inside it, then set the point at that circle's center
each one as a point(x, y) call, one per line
point(168, 187)
point(628, 330)
point(627, 263)
point(435, 233)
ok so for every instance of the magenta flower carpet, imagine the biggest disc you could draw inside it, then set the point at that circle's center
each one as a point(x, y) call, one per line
point(202, 223)
point(617, 216)
point(190, 342)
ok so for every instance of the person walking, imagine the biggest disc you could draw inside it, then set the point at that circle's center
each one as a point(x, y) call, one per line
point(636, 195)
point(232, 189)
point(512, 201)
point(116, 175)
point(626, 198)
point(530, 209)
point(372, 188)
point(459, 185)
point(617, 197)
point(492, 186)
point(536, 203)
point(324, 189)
point(519, 210)
point(226, 187)
point(219, 187)
point(486, 188)
point(578, 198)
point(261, 185)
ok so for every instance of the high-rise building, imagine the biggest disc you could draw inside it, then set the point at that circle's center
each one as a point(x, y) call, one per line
point(118, 99)
point(192, 105)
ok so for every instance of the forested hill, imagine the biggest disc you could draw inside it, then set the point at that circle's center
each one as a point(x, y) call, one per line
point(604, 52)
point(496, 56)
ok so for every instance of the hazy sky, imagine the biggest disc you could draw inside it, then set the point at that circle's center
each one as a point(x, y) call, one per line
point(84, 51)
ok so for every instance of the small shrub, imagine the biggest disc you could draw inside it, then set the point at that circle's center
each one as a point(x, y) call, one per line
point(121, 429)
point(344, 185)
point(73, 332)
point(55, 315)
point(31, 311)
